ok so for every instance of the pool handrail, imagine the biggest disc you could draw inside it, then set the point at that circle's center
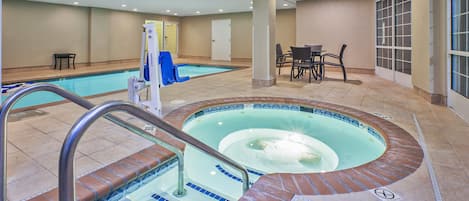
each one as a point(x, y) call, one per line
point(8, 104)
point(66, 163)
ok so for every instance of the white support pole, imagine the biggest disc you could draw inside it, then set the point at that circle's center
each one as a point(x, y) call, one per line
point(154, 68)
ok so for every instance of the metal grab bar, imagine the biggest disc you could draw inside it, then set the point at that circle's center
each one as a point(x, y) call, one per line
point(66, 163)
point(15, 97)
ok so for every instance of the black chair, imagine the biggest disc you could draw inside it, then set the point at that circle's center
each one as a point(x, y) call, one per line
point(316, 51)
point(339, 57)
point(302, 61)
point(281, 58)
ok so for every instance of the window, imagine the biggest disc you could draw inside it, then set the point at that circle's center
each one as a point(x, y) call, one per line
point(394, 35)
point(460, 47)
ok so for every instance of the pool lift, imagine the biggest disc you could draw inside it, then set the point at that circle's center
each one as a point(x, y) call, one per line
point(156, 69)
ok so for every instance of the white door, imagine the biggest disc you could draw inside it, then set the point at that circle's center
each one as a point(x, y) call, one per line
point(221, 39)
point(458, 58)
point(394, 41)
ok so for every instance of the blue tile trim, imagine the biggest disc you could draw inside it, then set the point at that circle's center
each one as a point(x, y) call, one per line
point(228, 174)
point(255, 172)
point(275, 106)
point(158, 197)
point(206, 192)
point(222, 108)
point(376, 135)
point(337, 116)
point(138, 182)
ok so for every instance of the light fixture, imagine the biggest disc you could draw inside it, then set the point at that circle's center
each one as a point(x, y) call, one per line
point(176, 14)
point(220, 10)
point(76, 3)
point(250, 7)
point(168, 11)
point(252, 2)
point(285, 5)
point(124, 5)
point(198, 12)
point(135, 10)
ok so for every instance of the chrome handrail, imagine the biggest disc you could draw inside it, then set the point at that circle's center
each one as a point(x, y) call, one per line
point(66, 163)
point(15, 97)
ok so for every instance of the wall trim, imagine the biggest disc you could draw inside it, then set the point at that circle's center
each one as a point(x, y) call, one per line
point(83, 64)
point(436, 99)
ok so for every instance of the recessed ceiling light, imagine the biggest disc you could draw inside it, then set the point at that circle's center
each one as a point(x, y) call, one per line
point(250, 7)
point(135, 9)
point(285, 5)
point(175, 13)
point(124, 5)
point(168, 11)
point(252, 2)
point(220, 10)
point(76, 3)
point(198, 12)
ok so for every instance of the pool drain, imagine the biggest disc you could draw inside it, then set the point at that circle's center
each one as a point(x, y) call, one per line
point(385, 194)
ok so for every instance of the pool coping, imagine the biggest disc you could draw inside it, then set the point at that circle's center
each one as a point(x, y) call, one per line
point(403, 156)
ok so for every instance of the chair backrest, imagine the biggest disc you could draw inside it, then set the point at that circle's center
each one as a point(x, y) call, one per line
point(301, 53)
point(279, 50)
point(342, 50)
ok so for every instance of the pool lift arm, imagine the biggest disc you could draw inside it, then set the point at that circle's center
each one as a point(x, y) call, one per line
point(135, 85)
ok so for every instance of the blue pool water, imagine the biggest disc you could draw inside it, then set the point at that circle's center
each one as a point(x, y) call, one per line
point(103, 83)
point(265, 138)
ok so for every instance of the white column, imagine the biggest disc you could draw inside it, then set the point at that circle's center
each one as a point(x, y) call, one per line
point(263, 43)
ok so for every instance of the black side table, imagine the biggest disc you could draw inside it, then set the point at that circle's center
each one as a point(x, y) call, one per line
point(67, 56)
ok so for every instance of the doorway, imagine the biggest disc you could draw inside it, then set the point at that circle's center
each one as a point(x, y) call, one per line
point(221, 39)
point(394, 41)
point(170, 38)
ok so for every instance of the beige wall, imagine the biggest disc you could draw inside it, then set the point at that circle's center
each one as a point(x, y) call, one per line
point(32, 32)
point(421, 45)
point(195, 35)
point(334, 22)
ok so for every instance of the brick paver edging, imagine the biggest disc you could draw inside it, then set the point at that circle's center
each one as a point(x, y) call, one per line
point(402, 157)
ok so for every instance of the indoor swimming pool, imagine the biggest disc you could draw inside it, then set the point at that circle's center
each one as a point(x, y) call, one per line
point(90, 85)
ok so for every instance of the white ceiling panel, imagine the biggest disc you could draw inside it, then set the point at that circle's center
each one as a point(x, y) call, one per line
point(173, 7)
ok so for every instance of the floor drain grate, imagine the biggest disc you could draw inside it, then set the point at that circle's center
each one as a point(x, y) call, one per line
point(385, 194)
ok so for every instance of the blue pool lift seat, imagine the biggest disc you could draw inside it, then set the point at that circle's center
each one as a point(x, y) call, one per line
point(169, 71)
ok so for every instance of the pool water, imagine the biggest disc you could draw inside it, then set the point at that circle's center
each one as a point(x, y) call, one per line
point(103, 83)
point(265, 141)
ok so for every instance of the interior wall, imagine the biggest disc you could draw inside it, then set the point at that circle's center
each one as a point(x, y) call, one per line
point(195, 35)
point(32, 32)
point(421, 45)
point(351, 22)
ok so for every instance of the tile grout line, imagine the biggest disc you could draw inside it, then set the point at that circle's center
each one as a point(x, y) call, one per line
point(428, 161)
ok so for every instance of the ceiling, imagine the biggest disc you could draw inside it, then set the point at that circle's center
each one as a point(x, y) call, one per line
point(173, 7)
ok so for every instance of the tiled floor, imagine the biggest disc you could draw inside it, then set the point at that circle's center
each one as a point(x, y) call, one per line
point(35, 140)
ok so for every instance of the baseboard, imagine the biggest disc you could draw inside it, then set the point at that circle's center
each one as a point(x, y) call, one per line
point(78, 65)
point(369, 71)
point(436, 99)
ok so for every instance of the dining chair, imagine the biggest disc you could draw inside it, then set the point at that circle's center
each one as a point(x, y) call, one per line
point(281, 58)
point(316, 51)
point(302, 61)
point(339, 58)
